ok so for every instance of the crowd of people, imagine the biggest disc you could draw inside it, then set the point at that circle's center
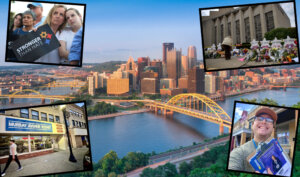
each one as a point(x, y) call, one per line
point(66, 24)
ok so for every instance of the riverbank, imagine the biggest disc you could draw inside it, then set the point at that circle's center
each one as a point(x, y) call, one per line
point(118, 114)
point(246, 91)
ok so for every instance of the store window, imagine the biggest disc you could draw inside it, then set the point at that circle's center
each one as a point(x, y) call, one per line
point(40, 142)
point(51, 118)
point(34, 114)
point(43, 116)
point(25, 113)
point(21, 142)
point(57, 119)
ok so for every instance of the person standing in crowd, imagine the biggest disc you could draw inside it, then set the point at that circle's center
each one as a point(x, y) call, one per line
point(56, 19)
point(12, 156)
point(37, 8)
point(28, 19)
point(75, 51)
point(17, 22)
point(227, 45)
point(74, 21)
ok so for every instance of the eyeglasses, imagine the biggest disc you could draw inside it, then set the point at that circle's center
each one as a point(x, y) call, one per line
point(268, 120)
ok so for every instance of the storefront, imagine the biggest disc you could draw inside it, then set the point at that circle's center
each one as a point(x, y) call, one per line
point(32, 137)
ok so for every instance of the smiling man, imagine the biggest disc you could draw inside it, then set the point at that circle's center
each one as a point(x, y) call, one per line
point(262, 128)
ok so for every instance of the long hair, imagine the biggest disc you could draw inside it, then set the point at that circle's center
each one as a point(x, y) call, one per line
point(49, 17)
point(21, 23)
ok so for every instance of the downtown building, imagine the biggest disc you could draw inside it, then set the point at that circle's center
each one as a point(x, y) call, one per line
point(243, 24)
point(196, 81)
point(174, 64)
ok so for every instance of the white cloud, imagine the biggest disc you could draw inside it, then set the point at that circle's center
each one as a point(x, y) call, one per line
point(289, 10)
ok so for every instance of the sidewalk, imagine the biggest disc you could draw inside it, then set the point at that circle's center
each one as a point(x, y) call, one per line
point(234, 62)
point(50, 163)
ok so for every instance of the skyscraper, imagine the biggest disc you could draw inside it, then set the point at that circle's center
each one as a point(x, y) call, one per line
point(166, 47)
point(91, 85)
point(184, 65)
point(196, 80)
point(192, 56)
point(174, 64)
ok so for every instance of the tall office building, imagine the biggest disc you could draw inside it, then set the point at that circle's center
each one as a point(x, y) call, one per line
point(174, 64)
point(91, 86)
point(196, 80)
point(184, 65)
point(210, 84)
point(192, 56)
point(96, 79)
point(166, 47)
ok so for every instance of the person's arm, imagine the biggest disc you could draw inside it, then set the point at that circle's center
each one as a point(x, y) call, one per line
point(236, 161)
point(75, 51)
point(13, 151)
point(62, 50)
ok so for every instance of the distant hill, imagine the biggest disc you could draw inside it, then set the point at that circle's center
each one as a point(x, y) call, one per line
point(109, 66)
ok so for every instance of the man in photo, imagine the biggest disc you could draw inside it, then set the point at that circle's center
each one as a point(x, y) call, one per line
point(262, 128)
point(12, 156)
point(37, 8)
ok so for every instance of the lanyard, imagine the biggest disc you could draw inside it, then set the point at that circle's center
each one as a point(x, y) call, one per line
point(254, 144)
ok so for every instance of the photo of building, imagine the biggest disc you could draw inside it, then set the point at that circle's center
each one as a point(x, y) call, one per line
point(250, 35)
point(41, 133)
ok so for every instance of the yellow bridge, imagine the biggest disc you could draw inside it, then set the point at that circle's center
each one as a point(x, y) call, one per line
point(192, 104)
point(37, 95)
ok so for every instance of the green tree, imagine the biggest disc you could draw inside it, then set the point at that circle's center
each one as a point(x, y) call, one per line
point(184, 168)
point(281, 33)
point(108, 162)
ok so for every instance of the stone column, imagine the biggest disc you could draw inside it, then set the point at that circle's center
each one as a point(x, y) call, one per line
point(262, 20)
point(225, 21)
point(218, 31)
point(275, 15)
point(251, 21)
point(242, 26)
point(233, 32)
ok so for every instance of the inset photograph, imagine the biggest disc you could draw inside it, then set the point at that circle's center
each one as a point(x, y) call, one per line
point(45, 33)
point(245, 36)
point(44, 140)
point(263, 139)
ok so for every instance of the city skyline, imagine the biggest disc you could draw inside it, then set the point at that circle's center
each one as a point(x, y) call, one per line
point(124, 33)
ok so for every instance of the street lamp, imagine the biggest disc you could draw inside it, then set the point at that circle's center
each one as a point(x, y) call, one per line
point(72, 157)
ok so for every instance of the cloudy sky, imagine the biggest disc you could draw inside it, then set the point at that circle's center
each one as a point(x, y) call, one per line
point(239, 108)
point(117, 29)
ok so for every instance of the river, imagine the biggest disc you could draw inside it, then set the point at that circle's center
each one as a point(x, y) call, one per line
point(147, 132)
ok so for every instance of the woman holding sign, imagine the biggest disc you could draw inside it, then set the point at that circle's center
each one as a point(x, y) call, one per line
point(28, 18)
point(74, 20)
point(56, 19)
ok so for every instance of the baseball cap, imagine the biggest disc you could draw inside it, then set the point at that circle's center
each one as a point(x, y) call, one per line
point(35, 4)
point(270, 112)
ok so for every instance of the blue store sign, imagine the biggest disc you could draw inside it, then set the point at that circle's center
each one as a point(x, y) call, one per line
point(13, 124)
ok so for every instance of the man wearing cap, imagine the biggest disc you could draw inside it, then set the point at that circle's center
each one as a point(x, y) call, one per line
point(263, 126)
point(37, 8)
